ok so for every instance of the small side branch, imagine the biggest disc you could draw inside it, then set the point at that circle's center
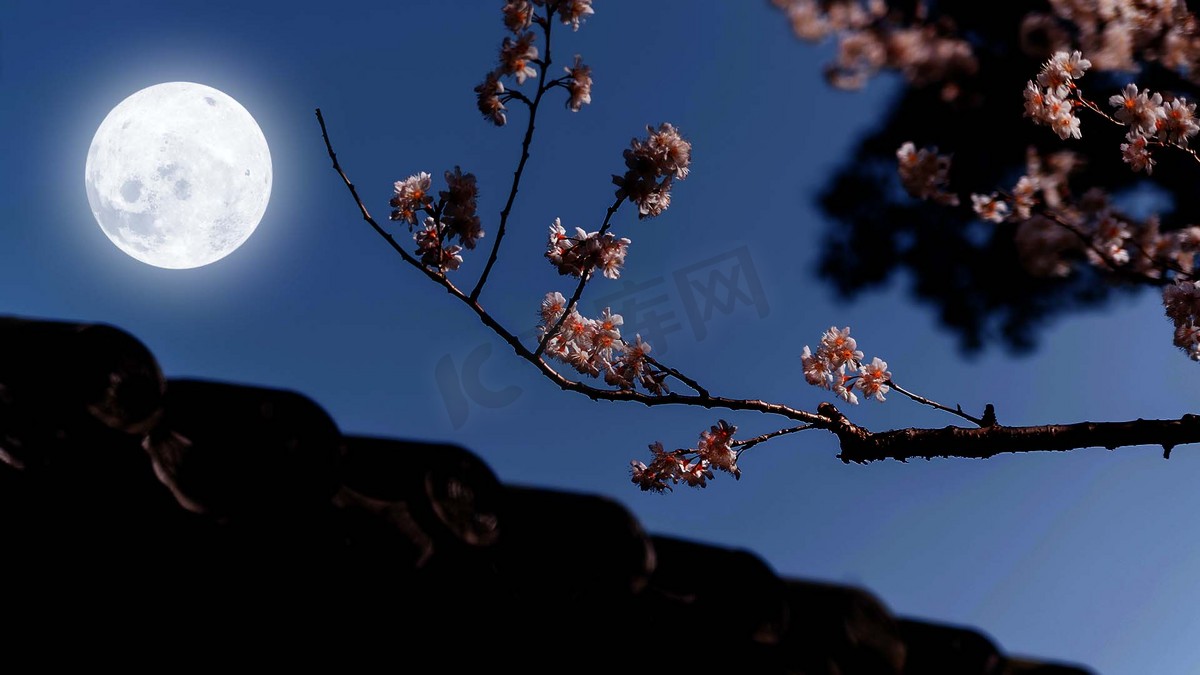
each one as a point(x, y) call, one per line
point(362, 208)
point(921, 399)
point(679, 376)
point(520, 170)
point(751, 442)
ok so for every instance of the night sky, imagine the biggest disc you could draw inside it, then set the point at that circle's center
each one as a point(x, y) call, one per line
point(1086, 556)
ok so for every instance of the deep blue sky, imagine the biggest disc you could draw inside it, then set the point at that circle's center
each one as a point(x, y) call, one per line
point(1087, 556)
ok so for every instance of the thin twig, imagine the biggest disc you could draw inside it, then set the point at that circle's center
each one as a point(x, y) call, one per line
point(921, 399)
point(516, 183)
point(751, 442)
point(1090, 105)
point(362, 207)
point(679, 376)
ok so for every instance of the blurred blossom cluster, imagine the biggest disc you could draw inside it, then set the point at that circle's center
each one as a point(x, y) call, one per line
point(925, 174)
point(1116, 33)
point(871, 37)
point(1088, 228)
point(838, 365)
point(1182, 302)
point(690, 466)
point(923, 44)
point(594, 346)
point(1057, 230)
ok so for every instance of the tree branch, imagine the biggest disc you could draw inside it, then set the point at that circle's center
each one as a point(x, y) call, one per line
point(862, 446)
point(702, 399)
point(516, 183)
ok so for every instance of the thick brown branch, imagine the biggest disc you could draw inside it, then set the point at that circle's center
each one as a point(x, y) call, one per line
point(860, 445)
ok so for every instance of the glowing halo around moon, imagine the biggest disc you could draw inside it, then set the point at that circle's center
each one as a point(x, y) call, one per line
point(178, 175)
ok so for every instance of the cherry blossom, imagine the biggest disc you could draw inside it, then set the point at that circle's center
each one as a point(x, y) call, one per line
point(488, 99)
point(410, 196)
point(585, 252)
point(1139, 110)
point(518, 15)
point(651, 166)
point(990, 207)
point(579, 83)
point(516, 57)
point(873, 379)
point(837, 365)
point(572, 12)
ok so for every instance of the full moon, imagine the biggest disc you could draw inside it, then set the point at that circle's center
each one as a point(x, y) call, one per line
point(178, 175)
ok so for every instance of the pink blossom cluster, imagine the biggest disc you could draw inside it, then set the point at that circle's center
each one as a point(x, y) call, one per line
point(1182, 302)
point(838, 365)
point(924, 173)
point(990, 207)
point(1151, 119)
point(651, 165)
point(572, 12)
point(1048, 100)
point(430, 249)
point(519, 15)
point(459, 207)
point(594, 347)
point(1152, 122)
point(488, 95)
point(585, 252)
point(690, 466)
point(579, 84)
point(519, 55)
point(872, 38)
point(453, 217)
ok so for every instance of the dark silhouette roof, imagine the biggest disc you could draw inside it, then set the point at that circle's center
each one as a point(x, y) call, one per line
point(144, 516)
